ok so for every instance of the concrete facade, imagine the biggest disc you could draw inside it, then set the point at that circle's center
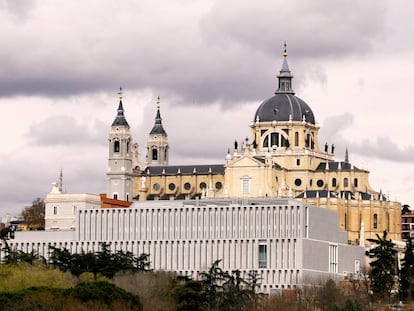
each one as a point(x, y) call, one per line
point(289, 243)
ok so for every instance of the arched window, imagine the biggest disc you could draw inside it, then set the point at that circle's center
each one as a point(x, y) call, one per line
point(375, 221)
point(275, 139)
point(116, 146)
point(355, 182)
point(333, 182)
point(296, 139)
point(154, 154)
point(346, 182)
point(309, 142)
point(297, 162)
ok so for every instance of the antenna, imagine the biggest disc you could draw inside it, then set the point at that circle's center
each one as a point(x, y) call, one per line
point(61, 180)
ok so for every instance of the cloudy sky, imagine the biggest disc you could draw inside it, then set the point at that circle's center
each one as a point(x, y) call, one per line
point(212, 63)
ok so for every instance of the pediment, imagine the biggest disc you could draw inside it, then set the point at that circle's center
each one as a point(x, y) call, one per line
point(246, 161)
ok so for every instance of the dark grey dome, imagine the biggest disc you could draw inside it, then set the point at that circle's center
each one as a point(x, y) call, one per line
point(283, 107)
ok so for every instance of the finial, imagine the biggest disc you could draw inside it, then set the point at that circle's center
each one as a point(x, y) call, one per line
point(120, 93)
point(346, 155)
point(158, 103)
point(285, 53)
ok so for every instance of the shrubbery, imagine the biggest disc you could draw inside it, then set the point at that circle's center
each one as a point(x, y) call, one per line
point(84, 296)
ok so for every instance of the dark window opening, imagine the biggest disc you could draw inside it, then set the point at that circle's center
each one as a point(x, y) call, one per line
point(345, 182)
point(115, 196)
point(298, 182)
point(355, 182)
point(375, 221)
point(203, 185)
point(154, 154)
point(187, 186)
point(297, 162)
point(296, 139)
point(171, 186)
point(333, 182)
point(218, 185)
point(319, 183)
point(116, 146)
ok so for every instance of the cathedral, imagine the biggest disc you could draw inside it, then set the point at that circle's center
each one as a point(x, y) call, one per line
point(281, 159)
point(278, 204)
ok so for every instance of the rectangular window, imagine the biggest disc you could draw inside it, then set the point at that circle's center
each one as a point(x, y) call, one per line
point(262, 256)
point(246, 186)
point(115, 196)
point(54, 210)
point(333, 258)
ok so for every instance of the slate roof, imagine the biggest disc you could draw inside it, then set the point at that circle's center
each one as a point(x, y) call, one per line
point(120, 118)
point(283, 106)
point(333, 166)
point(185, 169)
point(158, 128)
point(342, 194)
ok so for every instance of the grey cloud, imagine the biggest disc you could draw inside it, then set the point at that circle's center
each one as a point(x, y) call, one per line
point(380, 147)
point(28, 178)
point(65, 130)
point(316, 29)
point(19, 8)
point(230, 56)
point(385, 148)
point(332, 126)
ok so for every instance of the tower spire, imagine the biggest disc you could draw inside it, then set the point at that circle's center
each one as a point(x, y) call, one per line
point(120, 117)
point(119, 175)
point(346, 155)
point(157, 143)
point(158, 128)
point(285, 76)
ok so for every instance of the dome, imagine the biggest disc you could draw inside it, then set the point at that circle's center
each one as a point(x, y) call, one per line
point(284, 107)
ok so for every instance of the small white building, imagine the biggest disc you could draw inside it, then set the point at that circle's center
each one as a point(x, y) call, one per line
point(61, 208)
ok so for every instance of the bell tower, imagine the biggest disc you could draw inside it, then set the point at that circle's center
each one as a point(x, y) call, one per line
point(119, 175)
point(157, 144)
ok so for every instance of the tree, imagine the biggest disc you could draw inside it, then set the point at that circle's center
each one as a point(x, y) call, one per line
point(236, 293)
point(142, 262)
point(329, 296)
point(405, 209)
point(211, 282)
point(407, 272)
point(383, 265)
point(187, 294)
point(34, 215)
